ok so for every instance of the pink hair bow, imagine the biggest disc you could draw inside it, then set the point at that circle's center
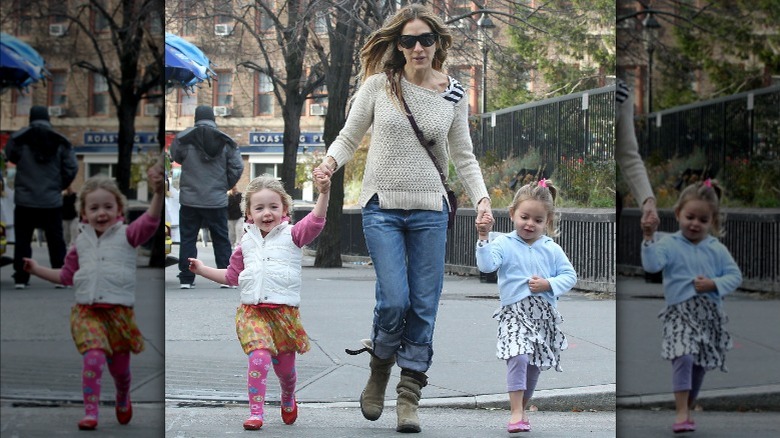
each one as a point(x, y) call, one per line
point(708, 182)
point(542, 182)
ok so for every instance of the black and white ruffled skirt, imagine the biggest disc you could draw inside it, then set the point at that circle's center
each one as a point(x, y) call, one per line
point(530, 327)
point(696, 327)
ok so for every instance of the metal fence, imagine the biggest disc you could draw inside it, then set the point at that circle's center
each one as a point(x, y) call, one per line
point(578, 126)
point(752, 237)
point(737, 127)
point(587, 237)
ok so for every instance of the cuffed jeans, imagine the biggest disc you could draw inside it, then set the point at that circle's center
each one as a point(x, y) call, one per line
point(191, 219)
point(407, 249)
point(26, 220)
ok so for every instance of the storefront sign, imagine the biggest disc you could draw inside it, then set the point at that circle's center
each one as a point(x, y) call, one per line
point(276, 139)
point(111, 138)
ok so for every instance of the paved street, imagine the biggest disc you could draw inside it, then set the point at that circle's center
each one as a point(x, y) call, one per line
point(202, 390)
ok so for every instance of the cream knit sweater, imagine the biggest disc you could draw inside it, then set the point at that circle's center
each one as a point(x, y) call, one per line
point(398, 168)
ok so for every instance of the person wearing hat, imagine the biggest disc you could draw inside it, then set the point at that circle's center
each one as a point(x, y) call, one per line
point(45, 166)
point(210, 165)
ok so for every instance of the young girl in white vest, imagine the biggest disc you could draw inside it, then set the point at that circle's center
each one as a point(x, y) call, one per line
point(268, 320)
point(101, 266)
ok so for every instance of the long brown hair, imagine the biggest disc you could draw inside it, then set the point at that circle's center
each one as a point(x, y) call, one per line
point(381, 47)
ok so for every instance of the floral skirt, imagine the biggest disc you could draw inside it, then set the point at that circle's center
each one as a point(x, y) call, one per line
point(276, 329)
point(530, 327)
point(695, 327)
point(111, 329)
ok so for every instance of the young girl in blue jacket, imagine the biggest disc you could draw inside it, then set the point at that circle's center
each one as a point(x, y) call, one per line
point(533, 271)
point(697, 272)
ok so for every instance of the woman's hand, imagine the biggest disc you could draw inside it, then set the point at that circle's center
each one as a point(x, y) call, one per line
point(483, 207)
point(30, 265)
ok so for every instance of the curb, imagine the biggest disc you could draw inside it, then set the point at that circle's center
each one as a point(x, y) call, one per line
point(763, 397)
point(597, 398)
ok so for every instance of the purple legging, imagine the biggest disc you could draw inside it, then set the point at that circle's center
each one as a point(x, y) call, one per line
point(687, 375)
point(521, 376)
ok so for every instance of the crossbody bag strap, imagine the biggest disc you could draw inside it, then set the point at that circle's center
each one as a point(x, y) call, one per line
point(426, 144)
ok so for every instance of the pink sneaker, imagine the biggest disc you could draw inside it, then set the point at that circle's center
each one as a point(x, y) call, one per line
point(520, 426)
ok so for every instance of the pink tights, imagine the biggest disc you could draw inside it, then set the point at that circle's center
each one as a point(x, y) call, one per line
point(118, 366)
point(260, 362)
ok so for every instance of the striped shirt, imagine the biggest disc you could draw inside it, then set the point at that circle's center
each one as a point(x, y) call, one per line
point(454, 92)
point(621, 91)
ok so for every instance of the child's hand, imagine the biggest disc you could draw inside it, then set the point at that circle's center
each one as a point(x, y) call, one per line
point(704, 284)
point(195, 265)
point(484, 225)
point(30, 265)
point(156, 177)
point(538, 284)
point(322, 179)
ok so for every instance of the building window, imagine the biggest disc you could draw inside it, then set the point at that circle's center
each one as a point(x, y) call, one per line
point(99, 20)
point(224, 12)
point(105, 169)
point(273, 169)
point(264, 105)
point(59, 11)
point(23, 19)
point(189, 16)
point(22, 103)
point(57, 88)
point(100, 97)
point(153, 107)
point(154, 23)
point(263, 23)
point(224, 91)
point(321, 23)
point(187, 103)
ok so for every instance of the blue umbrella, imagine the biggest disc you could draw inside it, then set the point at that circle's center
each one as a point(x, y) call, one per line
point(185, 64)
point(20, 64)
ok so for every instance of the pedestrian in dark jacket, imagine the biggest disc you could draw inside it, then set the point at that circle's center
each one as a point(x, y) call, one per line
point(210, 165)
point(45, 165)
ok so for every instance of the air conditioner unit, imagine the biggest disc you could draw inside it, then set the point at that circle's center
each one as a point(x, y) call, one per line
point(56, 111)
point(223, 29)
point(317, 109)
point(57, 29)
point(151, 109)
point(221, 111)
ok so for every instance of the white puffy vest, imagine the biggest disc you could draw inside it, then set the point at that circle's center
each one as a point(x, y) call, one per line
point(272, 267)
point(107, 266)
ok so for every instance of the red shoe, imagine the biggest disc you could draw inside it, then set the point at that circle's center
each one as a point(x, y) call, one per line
point(253, 423)
point(124, 414)
point(88, 423)
point(290, 413)
point(520, 426)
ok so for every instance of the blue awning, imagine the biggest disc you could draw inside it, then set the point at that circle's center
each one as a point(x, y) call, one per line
point(185, 64)
point(20, 64)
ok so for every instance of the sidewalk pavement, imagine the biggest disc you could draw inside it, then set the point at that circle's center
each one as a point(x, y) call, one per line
point(204, 360)
point(645, 379)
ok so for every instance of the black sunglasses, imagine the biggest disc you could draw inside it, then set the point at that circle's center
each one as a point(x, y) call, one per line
point(409, 41)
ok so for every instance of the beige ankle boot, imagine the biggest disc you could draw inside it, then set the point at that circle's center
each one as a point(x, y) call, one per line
point(409, 392)
point(372, 400)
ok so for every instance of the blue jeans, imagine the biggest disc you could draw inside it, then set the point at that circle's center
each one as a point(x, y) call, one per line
point(407, 248)
point(191, 220)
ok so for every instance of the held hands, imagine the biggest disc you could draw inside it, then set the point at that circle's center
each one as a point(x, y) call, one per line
point(650, 220)
point(156, 177)
point(538, 284)
point(703, 284)
point(322, 179)
point(484, 225)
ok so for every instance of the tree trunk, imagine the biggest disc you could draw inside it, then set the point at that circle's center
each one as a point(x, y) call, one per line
point(342, 48)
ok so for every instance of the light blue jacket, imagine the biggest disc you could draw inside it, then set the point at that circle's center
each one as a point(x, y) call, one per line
point(682, 261)
point(517, 262)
